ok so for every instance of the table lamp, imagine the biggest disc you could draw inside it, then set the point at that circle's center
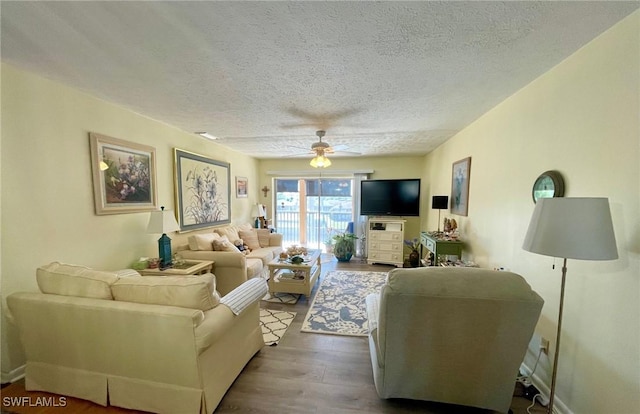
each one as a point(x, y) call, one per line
point(162, 222)
point(440, 203)
point(571, 228)
point(257, 212)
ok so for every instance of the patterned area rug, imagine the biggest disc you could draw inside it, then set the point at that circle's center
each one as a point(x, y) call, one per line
point(274, 324)
point(288, 298)
point(339, 306)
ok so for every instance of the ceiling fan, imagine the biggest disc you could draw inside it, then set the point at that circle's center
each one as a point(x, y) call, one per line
point(321, 149)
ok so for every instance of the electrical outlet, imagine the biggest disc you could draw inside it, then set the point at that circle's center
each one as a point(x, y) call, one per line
point(544, 345)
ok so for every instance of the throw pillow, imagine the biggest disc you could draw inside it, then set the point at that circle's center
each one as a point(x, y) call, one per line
point(224, 245)
point(193, 292)
point(202, 241)
point(250, 238)
point(263, 237)
point(72, 280)
point(230, 231)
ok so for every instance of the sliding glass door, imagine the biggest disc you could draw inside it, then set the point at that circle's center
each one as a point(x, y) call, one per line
point(311, 211)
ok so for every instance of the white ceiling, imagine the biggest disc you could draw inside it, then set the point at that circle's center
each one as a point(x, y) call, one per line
point(381, 77)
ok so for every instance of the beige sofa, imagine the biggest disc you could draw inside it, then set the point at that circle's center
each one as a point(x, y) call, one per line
point(233, 267)
point(158, 344)
point(452, 335)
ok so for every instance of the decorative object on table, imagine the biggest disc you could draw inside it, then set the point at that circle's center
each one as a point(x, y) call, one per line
point(140, 264)
point(440, 203)
point(153, 263)
point(284, 256)
point(344, 246)
point(242, 187)
point(258, 212)
point(162, 222)
point(296, 250)
point(297, 259)
point(548, 184)
point(571, 228)
point(203, 189)
point(460, 186)
point(124, 175)
point(338, 307)
point(450, 228)
point(414, 256)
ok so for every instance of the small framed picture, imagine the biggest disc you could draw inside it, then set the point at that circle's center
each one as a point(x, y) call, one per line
point(241, 187)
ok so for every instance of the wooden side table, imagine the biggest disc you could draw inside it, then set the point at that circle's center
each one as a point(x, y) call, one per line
point(440, 247)
point(189, 268)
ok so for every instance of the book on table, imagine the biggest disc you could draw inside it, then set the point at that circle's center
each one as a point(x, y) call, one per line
point(290, 276)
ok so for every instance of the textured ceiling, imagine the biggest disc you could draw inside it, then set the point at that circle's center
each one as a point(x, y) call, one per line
point(380, 77)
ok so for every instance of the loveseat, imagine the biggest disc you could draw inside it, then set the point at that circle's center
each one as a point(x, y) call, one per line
point(453, 335)
point(164, 344)
point(231, 266)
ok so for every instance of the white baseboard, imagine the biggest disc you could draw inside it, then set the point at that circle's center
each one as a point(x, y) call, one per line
point(12, 376)
point(558, 406)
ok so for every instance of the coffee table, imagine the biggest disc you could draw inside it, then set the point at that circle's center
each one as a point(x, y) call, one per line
point(287, 277)
point(188, 268)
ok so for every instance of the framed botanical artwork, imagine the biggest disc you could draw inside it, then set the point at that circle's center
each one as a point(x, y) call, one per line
point(203, 190)
point(460, 186)
point(124, 175)
point(241, 187)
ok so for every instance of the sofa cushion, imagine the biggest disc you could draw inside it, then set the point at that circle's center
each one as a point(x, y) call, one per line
point(193, 292)
point(264, 254)
point(263, 237)
point(127, 273)
point(224, 245)
point(203, 241)
point(250, 238)
point(73, 280)
point(230, 231)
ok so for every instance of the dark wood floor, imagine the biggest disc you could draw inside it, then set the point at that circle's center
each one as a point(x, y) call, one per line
point(304, 373)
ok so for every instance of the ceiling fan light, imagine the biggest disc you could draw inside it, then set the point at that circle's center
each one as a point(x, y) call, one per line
point(320, 161)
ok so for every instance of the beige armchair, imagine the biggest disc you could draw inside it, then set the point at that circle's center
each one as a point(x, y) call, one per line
point(452, 335)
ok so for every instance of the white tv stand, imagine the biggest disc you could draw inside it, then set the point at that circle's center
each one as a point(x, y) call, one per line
point(385, 240)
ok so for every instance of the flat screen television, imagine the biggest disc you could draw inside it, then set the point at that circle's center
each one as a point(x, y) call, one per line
point(398, 197)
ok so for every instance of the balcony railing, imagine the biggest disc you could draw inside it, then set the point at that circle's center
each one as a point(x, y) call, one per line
point(320, 226)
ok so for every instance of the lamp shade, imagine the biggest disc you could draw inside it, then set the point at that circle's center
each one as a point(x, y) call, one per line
point(257, 211)
point(572, 228)
point(320, 161)
point(162, 221)
point(439, 202)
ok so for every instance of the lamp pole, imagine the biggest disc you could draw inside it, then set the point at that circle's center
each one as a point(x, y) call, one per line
point(557, 351)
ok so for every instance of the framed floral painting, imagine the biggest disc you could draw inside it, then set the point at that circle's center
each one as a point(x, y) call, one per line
point(203, 190)
point(460, 186)
point(124, 175)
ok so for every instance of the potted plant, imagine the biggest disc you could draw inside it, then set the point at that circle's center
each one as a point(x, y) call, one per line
point(414, 256)
point(344, 246)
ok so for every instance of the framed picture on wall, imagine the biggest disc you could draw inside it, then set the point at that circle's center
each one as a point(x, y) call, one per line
point(203, 190)
point(124, 175)
point(460, 186)
point(241, 187)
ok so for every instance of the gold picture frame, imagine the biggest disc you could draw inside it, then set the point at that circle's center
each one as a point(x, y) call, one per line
point(124, 175)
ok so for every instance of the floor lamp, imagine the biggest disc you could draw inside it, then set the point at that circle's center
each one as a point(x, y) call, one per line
point(571, 228)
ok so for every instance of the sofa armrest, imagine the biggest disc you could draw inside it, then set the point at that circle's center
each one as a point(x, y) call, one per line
point(244, 295)
point(275, 240)
point(230, 268)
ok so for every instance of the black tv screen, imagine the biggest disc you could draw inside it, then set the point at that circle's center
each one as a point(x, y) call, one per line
point(390, 197)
